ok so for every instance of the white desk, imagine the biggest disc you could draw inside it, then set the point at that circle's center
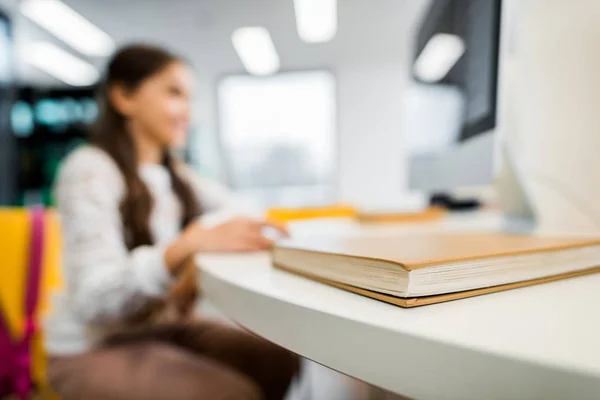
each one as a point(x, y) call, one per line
point(540, 342)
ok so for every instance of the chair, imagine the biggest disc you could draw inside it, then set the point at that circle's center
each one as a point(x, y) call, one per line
point(29, 268)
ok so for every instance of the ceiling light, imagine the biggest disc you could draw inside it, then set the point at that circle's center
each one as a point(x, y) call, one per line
point(60, 64)
point(69, 26)
point(316, 20)
point(256, 50)
point(438, 57)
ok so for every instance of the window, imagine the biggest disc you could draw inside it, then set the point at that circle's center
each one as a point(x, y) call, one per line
point(278, 137)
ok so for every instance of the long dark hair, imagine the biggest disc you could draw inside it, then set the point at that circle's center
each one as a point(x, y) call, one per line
point(129, 68)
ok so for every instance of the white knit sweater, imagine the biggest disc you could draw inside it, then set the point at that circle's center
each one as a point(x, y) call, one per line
point(104, 281)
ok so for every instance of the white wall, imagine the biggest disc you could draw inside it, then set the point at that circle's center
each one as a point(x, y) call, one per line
point(371, 80)
point(372, 168)
point(372, 162)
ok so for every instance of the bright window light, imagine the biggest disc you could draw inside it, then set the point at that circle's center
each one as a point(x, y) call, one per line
point(278, 138)
point(316, 20)
point(60, 64)
point(256, 50)
point(69, 26)
point(438, 57)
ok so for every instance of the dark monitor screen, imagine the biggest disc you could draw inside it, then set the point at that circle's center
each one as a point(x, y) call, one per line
point(6, 71)
point(5, 51)
point(7, 142)
point(477, 23)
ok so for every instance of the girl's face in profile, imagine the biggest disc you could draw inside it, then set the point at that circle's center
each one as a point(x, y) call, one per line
point(160, 106)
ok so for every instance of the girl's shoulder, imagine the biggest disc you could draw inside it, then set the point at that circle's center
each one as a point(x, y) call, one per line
point(87, 155)
point(90, 163)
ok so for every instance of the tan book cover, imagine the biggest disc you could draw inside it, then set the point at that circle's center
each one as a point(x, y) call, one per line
point(424, 250)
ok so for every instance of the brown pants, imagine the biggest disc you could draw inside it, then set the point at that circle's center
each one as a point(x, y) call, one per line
point(199, 361)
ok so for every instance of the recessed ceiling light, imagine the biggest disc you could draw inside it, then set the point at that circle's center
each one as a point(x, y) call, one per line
point(438, 57)
point(60, 64)
point(256, 50)
point(69, 26)
point(316, 20)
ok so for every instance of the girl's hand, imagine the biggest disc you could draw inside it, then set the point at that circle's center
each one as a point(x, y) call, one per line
point(184, 292)
point(237, 235)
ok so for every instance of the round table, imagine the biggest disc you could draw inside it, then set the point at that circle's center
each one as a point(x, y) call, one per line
point(540, 342)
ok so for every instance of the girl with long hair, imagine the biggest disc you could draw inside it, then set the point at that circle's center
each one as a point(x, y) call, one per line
point(131, 216)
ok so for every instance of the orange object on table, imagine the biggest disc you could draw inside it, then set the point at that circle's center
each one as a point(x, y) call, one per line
point(283, 215)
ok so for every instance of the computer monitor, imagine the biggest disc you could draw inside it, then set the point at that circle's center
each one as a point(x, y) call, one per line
point(453, 113)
